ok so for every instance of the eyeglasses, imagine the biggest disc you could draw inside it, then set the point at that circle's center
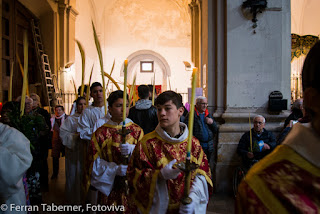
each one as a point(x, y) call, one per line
point(203, 104)
point(257, 122)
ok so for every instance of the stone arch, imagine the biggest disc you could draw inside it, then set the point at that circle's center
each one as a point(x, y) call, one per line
point(149, 54)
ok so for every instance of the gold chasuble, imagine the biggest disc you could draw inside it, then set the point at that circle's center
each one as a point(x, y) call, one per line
point(105, 143)
point(282, 182)
point(150, 155)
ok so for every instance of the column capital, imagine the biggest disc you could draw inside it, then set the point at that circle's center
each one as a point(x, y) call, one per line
point(72, 11)
point(195, 4)
point(62, 7)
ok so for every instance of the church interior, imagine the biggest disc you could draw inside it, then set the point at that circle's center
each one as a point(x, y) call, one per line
point(240, 61)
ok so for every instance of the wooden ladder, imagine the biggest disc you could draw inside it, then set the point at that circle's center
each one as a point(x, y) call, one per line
point(52, 95)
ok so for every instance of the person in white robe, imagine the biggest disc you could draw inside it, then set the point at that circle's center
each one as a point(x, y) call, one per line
point(86, 123)
point(74, 148)
point(100, 122)
point(15, 159)
point(74, 104)
point(92, 113)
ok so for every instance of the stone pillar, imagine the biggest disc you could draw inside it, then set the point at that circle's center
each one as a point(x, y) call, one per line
point(61, 44)
point(204, 45)
point(247, 67)
point(216, 56)
point(66, 34)
point(71, 20)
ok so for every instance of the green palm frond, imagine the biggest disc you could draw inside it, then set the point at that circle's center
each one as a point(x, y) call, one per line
point(88, 88)
point(83, 60)
point(25, 76)
point(98, 46)
point(114, 61)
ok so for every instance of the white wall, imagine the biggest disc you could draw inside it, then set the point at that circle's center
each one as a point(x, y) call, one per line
point(257, 63)
point(125, 27)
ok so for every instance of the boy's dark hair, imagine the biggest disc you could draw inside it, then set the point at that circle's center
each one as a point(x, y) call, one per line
point(95, 84)
point(151, 88)
point(167, 96)
point(84, 90)
point(143, 91)
point(114, 96)
point(311, 75)
point(10, 105)
point(78, 100)
point(59, 106)
point(311, 69)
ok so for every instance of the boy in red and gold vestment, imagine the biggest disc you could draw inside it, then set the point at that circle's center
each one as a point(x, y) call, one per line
point(108, 171)
point(155, 184)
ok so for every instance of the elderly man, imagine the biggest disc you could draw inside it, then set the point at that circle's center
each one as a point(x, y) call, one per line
point(263, 142)
point(204, 126)
point(28, 104)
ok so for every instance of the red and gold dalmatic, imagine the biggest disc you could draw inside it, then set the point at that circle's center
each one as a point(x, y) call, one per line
point(105, 143)
point(150, 155)
point(283, 182)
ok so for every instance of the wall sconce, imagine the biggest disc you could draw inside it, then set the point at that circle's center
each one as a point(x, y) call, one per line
point(255, 6)
point(187, 66)
point(66, 67)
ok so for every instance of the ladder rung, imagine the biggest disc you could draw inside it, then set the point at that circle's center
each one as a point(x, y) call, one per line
point(40, 45)
point(37, 31)
point(45, 58)
point(46, 67)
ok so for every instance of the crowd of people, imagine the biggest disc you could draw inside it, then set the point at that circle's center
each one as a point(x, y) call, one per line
point(134, 158)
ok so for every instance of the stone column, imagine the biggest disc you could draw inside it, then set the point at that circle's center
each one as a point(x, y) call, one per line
point(71, 20)
point(247, 67)
point(205, 44)
point(66, 34)
point(61, 44)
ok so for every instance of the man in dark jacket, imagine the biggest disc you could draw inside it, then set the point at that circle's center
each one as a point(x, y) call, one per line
point(296, 112)
point(263, 142)
point(204, 126)
point(144, 113)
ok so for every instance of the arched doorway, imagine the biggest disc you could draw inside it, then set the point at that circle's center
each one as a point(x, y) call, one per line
point(161, 69)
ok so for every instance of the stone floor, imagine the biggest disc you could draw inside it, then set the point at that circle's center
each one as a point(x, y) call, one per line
point(219, 203)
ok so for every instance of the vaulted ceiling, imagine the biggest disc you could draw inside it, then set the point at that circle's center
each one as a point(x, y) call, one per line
point(305, 17)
